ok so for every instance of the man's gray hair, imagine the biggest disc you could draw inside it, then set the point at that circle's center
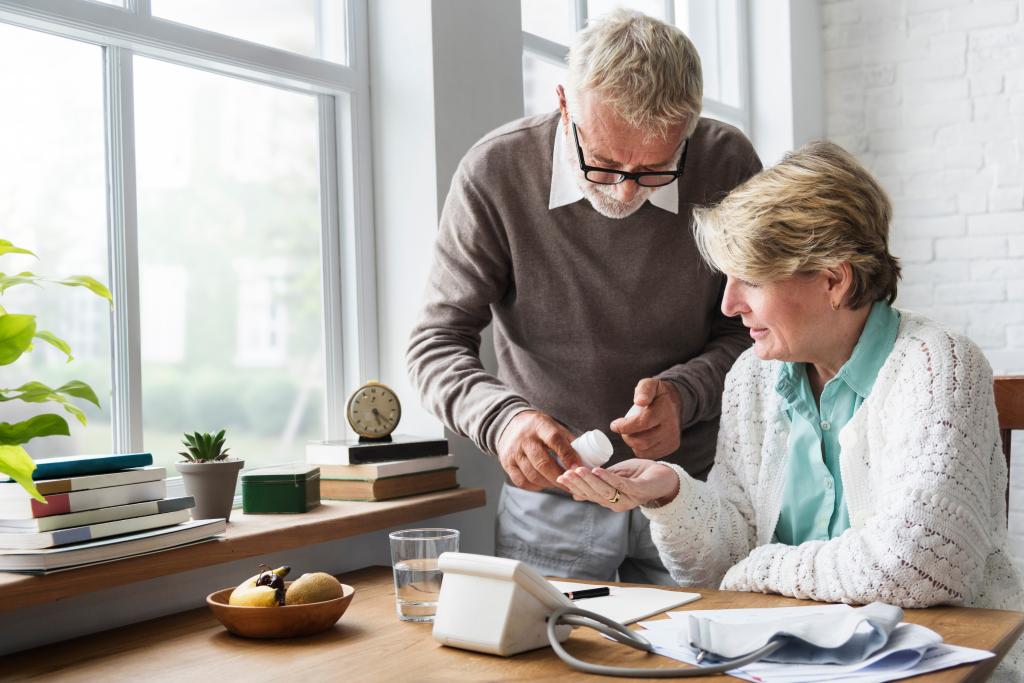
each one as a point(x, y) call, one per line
point(646, 70)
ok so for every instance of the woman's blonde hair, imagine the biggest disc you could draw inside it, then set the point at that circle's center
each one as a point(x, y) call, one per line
point(814, 210)
point(646, 70)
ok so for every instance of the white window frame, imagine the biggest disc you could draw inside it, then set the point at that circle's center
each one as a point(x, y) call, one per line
point(556, 53)
point(346, 200)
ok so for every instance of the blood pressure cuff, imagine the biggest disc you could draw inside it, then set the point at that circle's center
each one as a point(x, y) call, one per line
point(825, 638)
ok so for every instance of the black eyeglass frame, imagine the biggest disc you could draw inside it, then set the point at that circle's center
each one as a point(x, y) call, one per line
point(627, 175)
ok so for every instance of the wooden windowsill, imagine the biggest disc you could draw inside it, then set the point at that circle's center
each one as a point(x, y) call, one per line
point(246, 536)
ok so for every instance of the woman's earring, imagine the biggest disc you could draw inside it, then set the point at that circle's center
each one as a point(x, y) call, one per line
point(835, 306)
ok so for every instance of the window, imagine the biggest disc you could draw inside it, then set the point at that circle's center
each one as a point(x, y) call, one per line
point(206, 160)
point(232, 234)
point(717, 27)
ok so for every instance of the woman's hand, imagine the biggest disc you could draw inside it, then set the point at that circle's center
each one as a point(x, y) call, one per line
point(623, 486)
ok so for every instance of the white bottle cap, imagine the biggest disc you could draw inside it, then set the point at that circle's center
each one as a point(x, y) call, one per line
point(594, 448)
point(634, 410)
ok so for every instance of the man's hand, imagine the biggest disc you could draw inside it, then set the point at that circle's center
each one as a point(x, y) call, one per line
point(523, 451)
point(623, 486)
point(652, 432)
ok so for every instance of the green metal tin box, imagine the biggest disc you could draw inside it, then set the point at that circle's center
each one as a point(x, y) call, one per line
point(283, 488)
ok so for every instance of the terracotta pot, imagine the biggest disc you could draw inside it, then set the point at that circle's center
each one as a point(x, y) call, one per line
point(212, 484)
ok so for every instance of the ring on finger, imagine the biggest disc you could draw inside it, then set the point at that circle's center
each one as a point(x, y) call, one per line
point(615, 498)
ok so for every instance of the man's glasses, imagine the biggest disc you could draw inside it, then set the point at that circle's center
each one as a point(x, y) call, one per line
point(612, 176)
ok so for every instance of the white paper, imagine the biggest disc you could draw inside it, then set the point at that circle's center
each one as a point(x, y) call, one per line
point(626, 605)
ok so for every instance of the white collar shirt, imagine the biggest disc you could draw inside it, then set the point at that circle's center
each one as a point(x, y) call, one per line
point(565, 190)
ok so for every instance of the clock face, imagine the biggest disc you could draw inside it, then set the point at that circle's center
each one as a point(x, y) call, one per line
point(373, 410)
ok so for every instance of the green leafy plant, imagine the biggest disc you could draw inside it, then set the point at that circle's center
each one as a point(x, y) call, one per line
point(17, 333)
point(204, 447)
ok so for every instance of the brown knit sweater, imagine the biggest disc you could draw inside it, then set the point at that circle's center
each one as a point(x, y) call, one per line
point(583, 306)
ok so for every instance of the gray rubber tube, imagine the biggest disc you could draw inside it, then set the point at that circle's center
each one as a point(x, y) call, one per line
point(574, 616)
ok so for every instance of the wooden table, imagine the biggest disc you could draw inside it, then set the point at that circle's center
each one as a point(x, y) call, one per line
point(370, 644)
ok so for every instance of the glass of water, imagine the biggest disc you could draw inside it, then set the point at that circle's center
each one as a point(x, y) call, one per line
point(414, 554)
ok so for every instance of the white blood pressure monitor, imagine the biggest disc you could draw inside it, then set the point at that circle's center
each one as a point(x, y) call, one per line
point(502, 607)
point(495, 605)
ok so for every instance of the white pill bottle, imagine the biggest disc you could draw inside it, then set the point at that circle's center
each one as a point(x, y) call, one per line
point(593, 447)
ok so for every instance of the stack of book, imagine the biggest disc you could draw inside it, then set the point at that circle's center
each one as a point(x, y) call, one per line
point(98, 508)
point(405, 466)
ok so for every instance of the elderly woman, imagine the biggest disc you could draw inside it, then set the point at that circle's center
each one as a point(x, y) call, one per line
point(858, 455)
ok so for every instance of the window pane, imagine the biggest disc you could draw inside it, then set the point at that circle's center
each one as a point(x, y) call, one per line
point(311, 27)
point(229, 241)
point(551, 19)
point(652, 8)
point(53, 202)
point(539, 80)
point(682, 12)
point(714, 29)
point(728, 52)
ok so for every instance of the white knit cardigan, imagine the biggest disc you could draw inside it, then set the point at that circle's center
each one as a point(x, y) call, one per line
point(923, 474)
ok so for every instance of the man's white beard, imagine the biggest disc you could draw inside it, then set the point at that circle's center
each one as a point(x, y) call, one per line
point(601, 197)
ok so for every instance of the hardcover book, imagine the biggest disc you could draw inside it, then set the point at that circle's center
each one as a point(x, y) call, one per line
point(76, 501)
point(79, 534)
point(78, 465)
point(33, 525)
point(390, 487)
point(354, 452)
point(391, 468)
point(10, 489)
point(107, 549)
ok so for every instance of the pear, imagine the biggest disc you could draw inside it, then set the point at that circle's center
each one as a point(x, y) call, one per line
point(250, 594)
point(315, 587)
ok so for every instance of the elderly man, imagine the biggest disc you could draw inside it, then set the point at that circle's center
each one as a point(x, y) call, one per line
point(571, 232)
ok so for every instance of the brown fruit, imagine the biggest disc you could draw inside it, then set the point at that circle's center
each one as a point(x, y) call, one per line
point(315, 587)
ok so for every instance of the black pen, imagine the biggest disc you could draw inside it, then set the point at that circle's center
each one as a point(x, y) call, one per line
point(588, 593)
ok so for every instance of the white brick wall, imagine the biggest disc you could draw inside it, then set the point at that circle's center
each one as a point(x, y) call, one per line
point(929, 94)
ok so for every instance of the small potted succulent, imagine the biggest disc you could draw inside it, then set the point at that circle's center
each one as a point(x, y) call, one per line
point(209, 474)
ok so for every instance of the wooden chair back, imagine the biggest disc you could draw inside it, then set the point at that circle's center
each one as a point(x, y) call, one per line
point(1009, 392)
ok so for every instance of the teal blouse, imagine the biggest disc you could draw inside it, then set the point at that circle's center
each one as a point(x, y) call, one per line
point(813, 505)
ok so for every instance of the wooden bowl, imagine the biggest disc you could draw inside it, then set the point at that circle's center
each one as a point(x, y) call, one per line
point(288, 621)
